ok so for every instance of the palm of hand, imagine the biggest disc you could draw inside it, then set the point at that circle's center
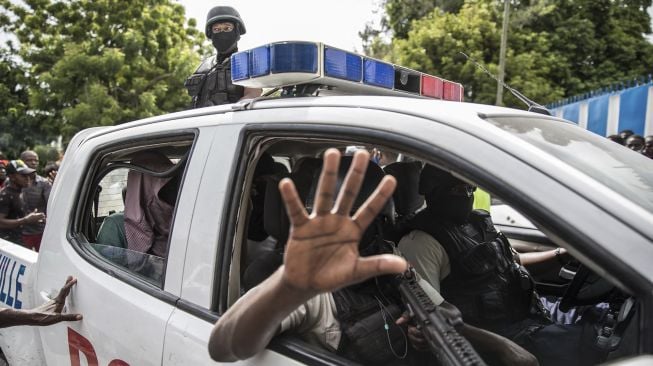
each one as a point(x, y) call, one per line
point(322, 251)
point(322, 254)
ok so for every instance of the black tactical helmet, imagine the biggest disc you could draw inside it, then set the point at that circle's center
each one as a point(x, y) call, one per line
point(224, 13)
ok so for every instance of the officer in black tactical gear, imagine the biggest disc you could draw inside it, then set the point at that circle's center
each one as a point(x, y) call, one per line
point(211, 82)
point(460, 253)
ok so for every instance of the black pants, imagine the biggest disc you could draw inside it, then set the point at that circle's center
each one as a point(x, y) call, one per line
point(558, 344)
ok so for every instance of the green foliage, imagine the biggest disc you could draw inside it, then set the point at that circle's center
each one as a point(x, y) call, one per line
point(556, 48)
point(104, 62)
point(19, 129)
point(47, 154)
point(599, 41)
point(401, 13)
point(435, 43)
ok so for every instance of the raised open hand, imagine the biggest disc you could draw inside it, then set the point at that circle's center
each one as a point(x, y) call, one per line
point(322, 250)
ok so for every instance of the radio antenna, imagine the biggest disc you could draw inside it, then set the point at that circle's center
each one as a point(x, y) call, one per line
point(532, 106)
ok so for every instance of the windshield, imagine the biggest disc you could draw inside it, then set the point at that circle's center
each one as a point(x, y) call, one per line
point(624, 171)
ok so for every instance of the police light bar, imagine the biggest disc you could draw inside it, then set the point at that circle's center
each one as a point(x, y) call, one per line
point(292, 63)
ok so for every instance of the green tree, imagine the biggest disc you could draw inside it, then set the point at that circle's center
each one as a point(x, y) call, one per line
point(556, 48)
point(437, 42)
point(599, 41)
point(19, 129)
point(103, 62)
point(401, 13)
point(396, 22)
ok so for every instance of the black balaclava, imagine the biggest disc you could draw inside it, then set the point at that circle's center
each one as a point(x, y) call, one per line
point(450, 207)
point(226, 42)
point(436, 185)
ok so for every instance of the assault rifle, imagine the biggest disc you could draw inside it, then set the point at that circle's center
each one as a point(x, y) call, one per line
point(449, 347)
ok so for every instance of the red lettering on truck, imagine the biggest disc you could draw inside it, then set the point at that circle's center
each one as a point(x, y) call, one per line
point(78, 344)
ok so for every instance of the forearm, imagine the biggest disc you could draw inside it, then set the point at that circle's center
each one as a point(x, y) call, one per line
point(249, 325)
point(11, 223)
point(536, 257)
point(12, 317)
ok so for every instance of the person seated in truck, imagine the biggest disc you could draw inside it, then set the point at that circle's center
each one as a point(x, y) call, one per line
point(460, 253)
point(112, 231)
point(331, 288)
point(149, 204)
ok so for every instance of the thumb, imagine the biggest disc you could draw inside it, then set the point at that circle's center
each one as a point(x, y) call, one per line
point(377, 265)
point(69, 317)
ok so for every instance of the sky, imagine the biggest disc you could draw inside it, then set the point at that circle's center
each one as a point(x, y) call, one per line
point(334, 22)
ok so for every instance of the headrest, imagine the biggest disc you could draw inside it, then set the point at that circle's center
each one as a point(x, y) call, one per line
point(305, 175)
point(373, 176)
point(275, 219)
point(267, 172)
point(264, 165)
point(406, 196)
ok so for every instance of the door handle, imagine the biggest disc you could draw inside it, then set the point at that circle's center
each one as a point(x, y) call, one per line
point(48, 296)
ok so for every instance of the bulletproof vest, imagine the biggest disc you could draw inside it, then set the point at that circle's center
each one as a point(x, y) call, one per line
point(367, 313)
point(489, 287)
point(211, 84)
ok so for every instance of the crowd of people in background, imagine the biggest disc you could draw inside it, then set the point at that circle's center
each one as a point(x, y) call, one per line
point(24, 197)
point(628, 138)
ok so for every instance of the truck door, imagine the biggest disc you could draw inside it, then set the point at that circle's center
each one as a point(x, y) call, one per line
point(119, 209)
point(217, 248)
point(191, 322)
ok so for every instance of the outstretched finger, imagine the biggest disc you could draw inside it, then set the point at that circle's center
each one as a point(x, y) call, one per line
point(326, 186)
point(60, 300)
point(294, 207)
point(352, 183)
point(377, 265)
point(44, 319)
point(375, 202)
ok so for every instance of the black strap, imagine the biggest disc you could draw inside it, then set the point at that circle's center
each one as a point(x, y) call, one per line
point(198, 97)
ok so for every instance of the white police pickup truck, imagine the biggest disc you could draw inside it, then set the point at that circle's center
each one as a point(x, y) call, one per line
point(157, 266)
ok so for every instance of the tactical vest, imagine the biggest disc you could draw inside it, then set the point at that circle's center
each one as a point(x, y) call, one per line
point(489, 287)
point(367, 313)
point(211, 84)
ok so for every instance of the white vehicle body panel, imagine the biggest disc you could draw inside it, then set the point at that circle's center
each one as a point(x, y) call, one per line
point(186, 344)
point(508, 216)
point(123, 323)
point(120, 321)
point(18, 267)
point(202, 242)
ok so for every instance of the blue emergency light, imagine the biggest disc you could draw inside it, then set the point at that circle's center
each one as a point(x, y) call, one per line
point(292, 63)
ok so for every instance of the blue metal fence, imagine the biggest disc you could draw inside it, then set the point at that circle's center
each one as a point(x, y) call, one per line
point(612, 109)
